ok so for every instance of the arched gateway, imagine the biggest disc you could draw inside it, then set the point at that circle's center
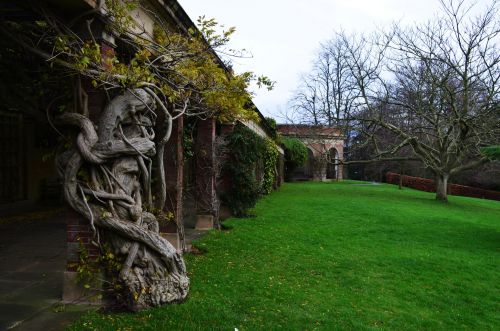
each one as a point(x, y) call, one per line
point(325, 146)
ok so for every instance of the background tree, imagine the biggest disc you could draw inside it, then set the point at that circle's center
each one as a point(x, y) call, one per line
point(305, 103)
point(326, 95)
point(430, 89)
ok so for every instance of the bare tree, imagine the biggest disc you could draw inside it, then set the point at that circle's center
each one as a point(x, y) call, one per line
point(433, 89)
point(327, 98)
point(305, 102)
point(326, 95)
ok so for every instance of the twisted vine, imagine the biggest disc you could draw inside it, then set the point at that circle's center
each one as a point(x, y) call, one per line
point(117, 156)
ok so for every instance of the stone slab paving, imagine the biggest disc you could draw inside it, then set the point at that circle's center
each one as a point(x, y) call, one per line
point(191, 235)
point(32, 261)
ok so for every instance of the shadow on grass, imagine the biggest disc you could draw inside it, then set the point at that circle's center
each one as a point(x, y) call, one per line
point(226, 227)
point(198, 250)
point(448, 234)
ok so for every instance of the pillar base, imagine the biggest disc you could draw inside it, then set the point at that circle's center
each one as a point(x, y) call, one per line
point(76, 293)
point(204, 222)
point(173, 238)
point(224, 212)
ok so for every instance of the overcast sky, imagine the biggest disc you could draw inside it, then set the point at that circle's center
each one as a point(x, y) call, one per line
point(284, 35)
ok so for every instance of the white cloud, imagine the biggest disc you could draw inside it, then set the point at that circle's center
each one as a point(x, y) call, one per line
point(283, 35)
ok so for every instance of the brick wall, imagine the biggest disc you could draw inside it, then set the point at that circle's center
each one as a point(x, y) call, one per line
point(225, 181)
point(78, 235)
point(205, 175)
point(428, 185)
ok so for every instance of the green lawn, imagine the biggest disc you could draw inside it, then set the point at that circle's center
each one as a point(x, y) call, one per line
point(327, 256)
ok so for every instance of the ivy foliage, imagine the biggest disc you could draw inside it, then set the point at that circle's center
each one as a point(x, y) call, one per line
point(491, 152)
point(244, 146)
point(270, 160)
point(271, 123)
point(88, 271)
point(248, 151)
point(295, 153)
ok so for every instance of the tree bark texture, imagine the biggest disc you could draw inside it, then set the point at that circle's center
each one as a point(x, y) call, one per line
point(442, 187)
point(107, 179)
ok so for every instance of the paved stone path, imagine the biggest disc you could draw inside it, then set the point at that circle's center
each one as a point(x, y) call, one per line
point(32, 260)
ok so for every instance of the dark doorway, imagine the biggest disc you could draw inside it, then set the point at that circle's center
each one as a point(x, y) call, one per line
point(13, 165)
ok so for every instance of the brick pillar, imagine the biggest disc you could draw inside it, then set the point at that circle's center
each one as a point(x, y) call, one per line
point(340, 172)
point(78, 228)
point(205, 176)
point(78, 232)
point(78, 237)
point(174, 162)
point(225, 181)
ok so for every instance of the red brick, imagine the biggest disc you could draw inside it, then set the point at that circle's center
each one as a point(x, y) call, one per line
point(205, 176)
point(428, 185)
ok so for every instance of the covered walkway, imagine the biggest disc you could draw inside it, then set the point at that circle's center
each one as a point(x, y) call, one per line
point(32, 261)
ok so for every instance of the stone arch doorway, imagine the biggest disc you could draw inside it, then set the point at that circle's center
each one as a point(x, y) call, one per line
point(332, 167)
point(319, 140)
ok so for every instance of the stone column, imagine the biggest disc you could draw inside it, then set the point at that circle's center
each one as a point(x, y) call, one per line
point(205, 174)
point(339, 146)
point(225, 181)
point(79, 237)
point(281, 170)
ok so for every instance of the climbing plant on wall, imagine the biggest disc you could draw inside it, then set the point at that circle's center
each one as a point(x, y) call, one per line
point(271, 124)
point(246, 150)
point(295, 153)
point(270, 158)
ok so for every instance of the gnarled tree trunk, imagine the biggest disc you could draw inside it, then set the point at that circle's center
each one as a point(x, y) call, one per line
point(107, 179)
point(442, 187)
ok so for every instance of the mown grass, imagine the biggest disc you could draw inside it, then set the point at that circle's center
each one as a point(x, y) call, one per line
point(328, 256)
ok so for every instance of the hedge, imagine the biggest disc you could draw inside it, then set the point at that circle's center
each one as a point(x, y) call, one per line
point(428, 185)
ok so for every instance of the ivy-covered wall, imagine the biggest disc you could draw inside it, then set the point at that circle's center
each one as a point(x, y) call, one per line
point(270, 156)
point(295, 155)
point(251, 169)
